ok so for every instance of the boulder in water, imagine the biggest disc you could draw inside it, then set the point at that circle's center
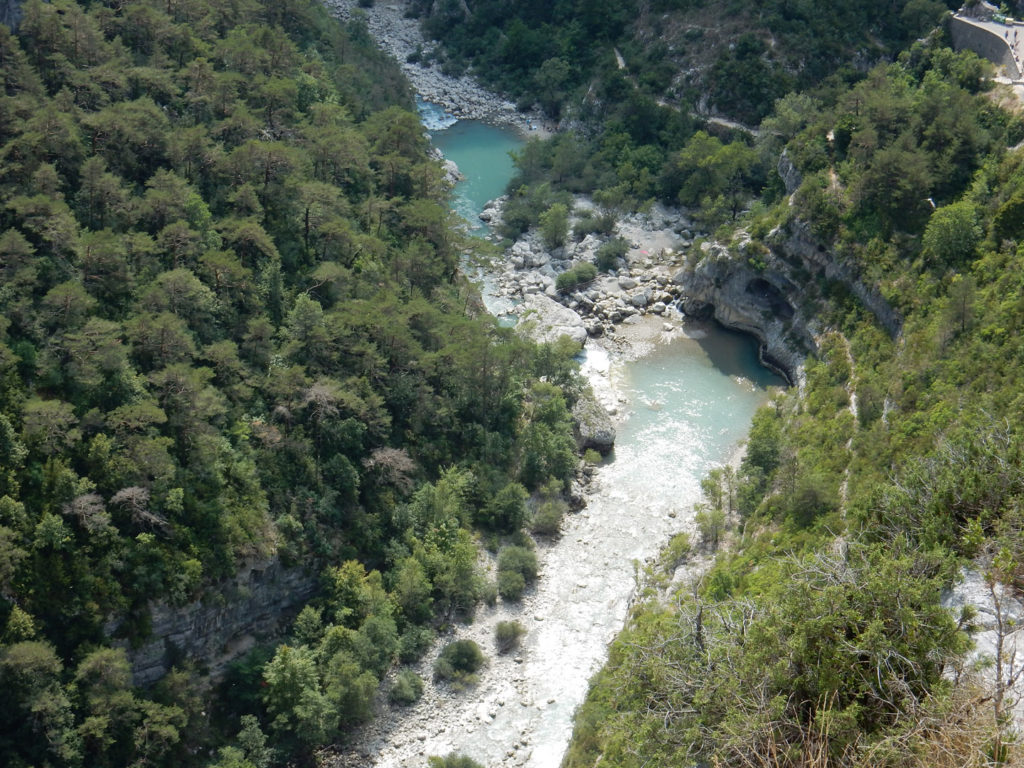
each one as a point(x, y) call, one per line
point(593, 425)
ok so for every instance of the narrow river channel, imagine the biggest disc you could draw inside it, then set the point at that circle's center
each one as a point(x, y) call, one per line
point(685, 406)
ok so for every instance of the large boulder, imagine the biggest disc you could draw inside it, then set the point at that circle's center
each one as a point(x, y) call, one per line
point(639, 300)
point(545, 320)
point(593, 426)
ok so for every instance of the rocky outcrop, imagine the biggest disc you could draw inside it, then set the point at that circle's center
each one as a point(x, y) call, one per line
point(593, 425)
point(997, 624)
point(788, 172)
point(760, 302)
point(254, 605)
point(766, 301)
point(797, 241)
point(545, 320)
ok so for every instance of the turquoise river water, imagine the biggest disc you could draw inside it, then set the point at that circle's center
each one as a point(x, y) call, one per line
point(684, 407)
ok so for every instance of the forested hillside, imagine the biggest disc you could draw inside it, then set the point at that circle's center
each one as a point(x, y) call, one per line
point(232, 331)
point(817, 637)
point(731, 58)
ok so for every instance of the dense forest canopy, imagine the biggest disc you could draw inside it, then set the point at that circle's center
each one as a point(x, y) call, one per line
point(232, 331)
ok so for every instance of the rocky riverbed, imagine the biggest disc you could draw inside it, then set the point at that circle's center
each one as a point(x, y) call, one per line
point(642, 284)
point(461, 96)
point(520, 712)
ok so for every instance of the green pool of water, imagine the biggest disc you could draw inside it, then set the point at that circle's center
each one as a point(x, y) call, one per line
point(482, 153)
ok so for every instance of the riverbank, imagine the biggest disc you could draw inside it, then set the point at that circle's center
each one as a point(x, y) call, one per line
point(642, 284)
point(678, 414)
point(463, 97)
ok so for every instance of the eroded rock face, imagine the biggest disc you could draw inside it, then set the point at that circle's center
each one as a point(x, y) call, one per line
point(256, 604)
point(992, 607)
point(753, 301)
point(790, 176)
point(766, 302)
point(545, 320)
point(801, 243)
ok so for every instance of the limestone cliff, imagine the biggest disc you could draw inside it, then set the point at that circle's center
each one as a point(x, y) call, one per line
point(766, 289)
point(761, 302)
point(799, 243)
point(593, 425)
point(232, 617)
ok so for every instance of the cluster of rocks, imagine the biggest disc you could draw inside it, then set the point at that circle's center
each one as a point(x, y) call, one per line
point(594, 430)
point(612, 300)
point(401, 37)
point(641, 285)
point(452, 174)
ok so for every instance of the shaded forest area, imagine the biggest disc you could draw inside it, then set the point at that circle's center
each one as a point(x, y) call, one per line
point(732, 58)
point(232, 329)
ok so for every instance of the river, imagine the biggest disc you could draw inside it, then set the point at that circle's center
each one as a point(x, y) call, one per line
point(685, 399)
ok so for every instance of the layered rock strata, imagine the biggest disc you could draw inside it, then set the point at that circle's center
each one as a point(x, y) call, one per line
point(232, 617)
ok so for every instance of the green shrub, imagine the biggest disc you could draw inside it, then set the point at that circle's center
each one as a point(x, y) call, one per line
point(594, 224)
point(506, 510)
point(407, 688)
point(547, 521)
point(711, 522)
point(677, 550)
point(608, 254)
point(554, 225)
point(524, 208)
point(590, 456)
point(507, 635)
point(519, 559)
point(511, 585)
point(517, 568)
point(414, 642)
point(582, 273)
point(459, 661)
point(489, 593)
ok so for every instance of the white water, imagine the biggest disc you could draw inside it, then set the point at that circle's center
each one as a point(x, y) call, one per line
point(433, 117)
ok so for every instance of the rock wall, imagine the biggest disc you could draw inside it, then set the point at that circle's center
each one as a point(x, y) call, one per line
point(256, 604)
point(592, 424)
point(984, 43)
point(992, 607)
point(757, 302)
point(816, 258)
point(766, 303)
